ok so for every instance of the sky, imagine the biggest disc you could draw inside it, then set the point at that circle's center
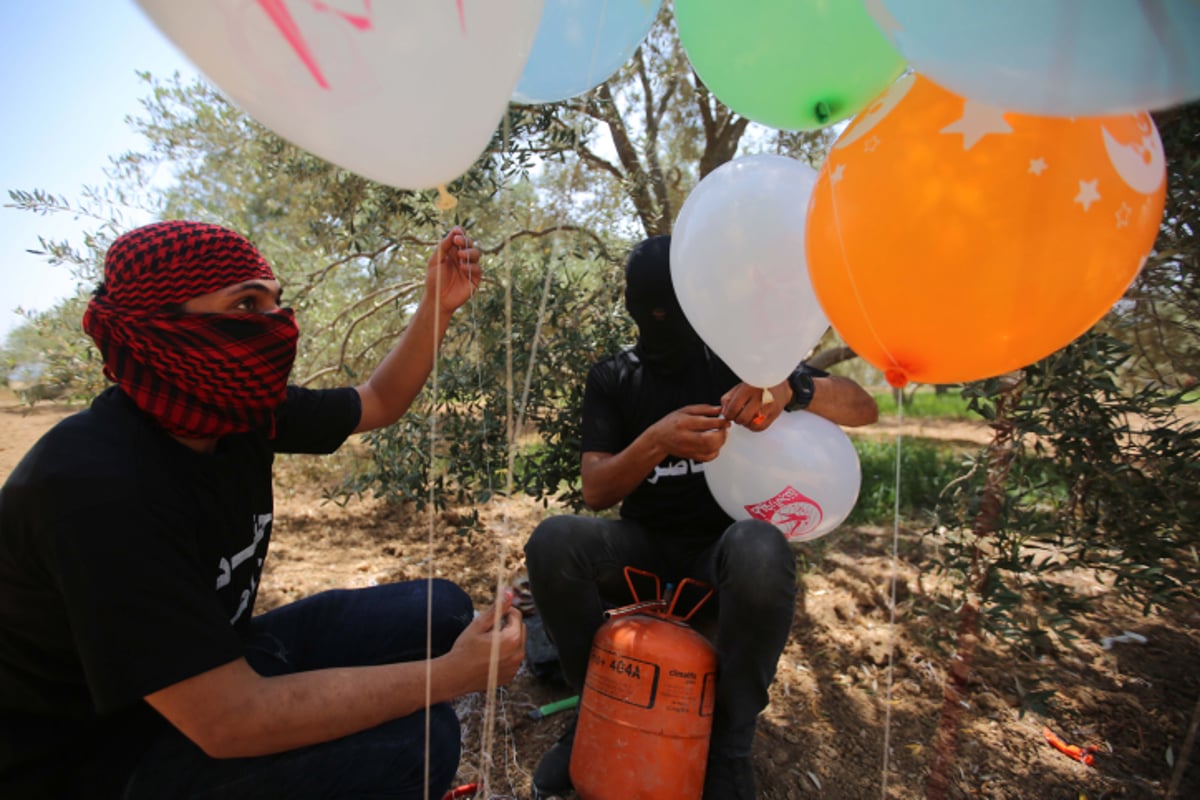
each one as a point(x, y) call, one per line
point(68, 80)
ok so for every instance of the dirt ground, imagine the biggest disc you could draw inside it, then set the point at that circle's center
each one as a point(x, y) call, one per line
point(823, 734)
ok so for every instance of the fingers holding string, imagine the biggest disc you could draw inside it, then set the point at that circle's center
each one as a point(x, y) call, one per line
point(467, 256)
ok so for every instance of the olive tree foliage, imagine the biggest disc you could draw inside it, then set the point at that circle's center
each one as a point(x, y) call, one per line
point(46, 358)
point(1160, 315)
point(1096, 459)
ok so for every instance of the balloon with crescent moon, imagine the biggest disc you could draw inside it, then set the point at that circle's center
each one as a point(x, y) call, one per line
point(950, 241)
point(1142, 165)
point(873, 113)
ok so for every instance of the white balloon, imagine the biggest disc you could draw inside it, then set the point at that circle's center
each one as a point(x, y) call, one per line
point(406, 93)
point(739, 269)
point(802, 475)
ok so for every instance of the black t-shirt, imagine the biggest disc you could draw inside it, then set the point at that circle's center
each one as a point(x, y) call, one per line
point(129, 562)
point(624, 397)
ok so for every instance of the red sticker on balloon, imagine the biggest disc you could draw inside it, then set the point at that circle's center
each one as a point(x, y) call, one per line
point(792, 512)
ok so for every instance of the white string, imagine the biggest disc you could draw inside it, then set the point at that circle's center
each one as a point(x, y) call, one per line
point(433, 437)
point(489, 716)
point(487, 736)
point(477, 354)
point(887, 712)
point(537, 333)
point(512, 426)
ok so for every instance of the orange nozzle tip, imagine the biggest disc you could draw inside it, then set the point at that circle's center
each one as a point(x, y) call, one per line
point(896, 378)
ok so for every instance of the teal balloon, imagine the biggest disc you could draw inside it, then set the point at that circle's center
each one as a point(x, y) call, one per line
point(580, 44)
point(1063, 58)
point(789, 64)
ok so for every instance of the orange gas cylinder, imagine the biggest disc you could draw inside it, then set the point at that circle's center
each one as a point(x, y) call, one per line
point(645, 713)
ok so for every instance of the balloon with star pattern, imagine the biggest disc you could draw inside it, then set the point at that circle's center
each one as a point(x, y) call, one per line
point(952, 241)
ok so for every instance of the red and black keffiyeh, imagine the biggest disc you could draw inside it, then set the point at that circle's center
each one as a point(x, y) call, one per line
point(199, 375)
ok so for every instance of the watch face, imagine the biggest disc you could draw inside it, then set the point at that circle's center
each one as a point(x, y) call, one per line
point(802, 390)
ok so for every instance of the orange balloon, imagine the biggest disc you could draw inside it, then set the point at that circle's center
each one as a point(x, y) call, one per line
point(950, 241)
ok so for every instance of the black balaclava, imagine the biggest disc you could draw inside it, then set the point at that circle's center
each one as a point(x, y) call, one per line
point(666, 340)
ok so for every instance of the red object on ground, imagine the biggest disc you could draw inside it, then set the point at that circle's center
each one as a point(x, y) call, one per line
point(1080, 754)
point(467, 790)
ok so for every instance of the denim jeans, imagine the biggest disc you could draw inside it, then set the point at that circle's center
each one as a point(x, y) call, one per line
point(576, 570)
point(376, 625)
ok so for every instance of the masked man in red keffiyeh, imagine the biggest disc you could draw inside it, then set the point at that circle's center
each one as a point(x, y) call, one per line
point(132, 539)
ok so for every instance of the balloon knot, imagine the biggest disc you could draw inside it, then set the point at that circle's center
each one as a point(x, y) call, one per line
point(445, 201)
point(822, 112)
point(896, 378)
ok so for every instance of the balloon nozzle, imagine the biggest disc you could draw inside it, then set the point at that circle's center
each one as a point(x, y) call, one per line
point(896, 378)
point(822, 112)
point(445, 201)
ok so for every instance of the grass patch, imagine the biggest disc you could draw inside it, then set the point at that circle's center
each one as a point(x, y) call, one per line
point(926, 468)
point(928, 405)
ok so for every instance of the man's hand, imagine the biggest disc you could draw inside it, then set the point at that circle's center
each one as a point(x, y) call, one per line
point(744, 405)
point(231, 711)
point(473, 647)
point(696, 432)
point(453, 273)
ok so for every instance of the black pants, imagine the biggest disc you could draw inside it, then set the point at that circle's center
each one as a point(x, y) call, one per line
point(576, 570)
point(375, 625)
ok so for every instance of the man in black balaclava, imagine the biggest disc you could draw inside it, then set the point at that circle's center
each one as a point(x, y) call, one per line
point(653, 416)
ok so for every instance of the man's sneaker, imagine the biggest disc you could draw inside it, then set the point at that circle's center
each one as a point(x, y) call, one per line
point(729, 779)
point(553, 774)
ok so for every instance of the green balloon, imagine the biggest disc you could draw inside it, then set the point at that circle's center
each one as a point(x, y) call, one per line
point(789, 64)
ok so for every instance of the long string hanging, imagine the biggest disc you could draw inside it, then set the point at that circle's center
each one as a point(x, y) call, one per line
point(537, 332)
point(489, 718)
point(895, 560)
point(515, 426)
point(887, 730)
point(433, 439)
point(478, 356)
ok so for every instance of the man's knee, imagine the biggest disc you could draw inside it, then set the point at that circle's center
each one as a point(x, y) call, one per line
point(404, 739)
point(450, 601)
point(550, 541)
point(756, 552)
point(451, 610)
point(445, 745)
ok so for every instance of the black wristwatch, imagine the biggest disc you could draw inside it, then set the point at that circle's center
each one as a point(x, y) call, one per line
point(802, 391)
